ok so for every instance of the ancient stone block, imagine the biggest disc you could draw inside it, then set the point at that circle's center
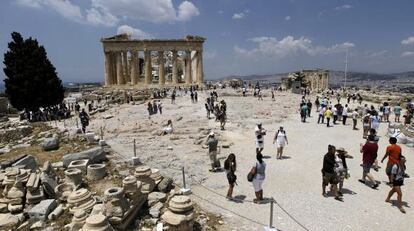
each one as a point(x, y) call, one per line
point(42, 210)
point(94, 155)
point(79, 164)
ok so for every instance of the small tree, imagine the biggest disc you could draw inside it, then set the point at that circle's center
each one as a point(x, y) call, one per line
point(31, 79)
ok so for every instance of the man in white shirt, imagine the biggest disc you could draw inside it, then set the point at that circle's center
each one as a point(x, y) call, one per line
point(355, 116)
point(335, 114)
point(321, 117)
point(259, 133)
point(344, 114)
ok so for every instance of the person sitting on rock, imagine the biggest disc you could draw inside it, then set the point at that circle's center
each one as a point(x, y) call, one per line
point(168, 129)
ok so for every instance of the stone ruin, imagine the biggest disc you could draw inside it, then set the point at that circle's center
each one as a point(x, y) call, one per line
point(32, 194)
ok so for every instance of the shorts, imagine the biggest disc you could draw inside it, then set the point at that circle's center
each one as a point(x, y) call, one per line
point(330, 178)
point(366, 167)
point(259, 144)
point(213, 157)
point(398, 183)
point(257, 184)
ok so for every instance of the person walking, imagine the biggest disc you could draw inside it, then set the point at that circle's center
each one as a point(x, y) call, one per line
point(355, 116)
point(397, 180)
point(160, 107)
point(259, 132)
point(321, 118)
point(369, 155)
point(387, 111)
point(309, 104)
point(230, 167)
point(366, 125)
point(393, 152)
point(375, 121)
point(328, 173)
point(212, 144)
point(344, 114)
point(259, 170)
point(328, 115)
point(397, 112)
point(84, 118)
point(303, 112)
point(341, 167)
point(281, 141)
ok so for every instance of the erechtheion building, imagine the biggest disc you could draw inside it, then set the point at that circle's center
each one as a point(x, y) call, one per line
point(153, 62)
point(317, 79)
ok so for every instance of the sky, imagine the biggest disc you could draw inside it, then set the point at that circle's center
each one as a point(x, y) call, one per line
point(244, 37)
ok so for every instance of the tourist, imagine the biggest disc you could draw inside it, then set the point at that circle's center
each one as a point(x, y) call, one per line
point(168, 129)
point(195, 97)
point(375, 120)
point(366, 125)
point(84, 119)
point(259, 95)
point(230, 167)
point(397, 180)
point(355, 116)
point(387, 111)
point(317, 103)
point(173, 97)
point(344, 114)
point(192, 96)
point(397, 112)
point(259, 170)
point(160, 107)
point(77, 108)
point(222, 118)
point(328, 173)
point(309, 104)
point(393, 152)
point(149, 108)
point(259, 132)
point(321, 117)
point(207, 106)
point(341, 167)
point(335, 113)
point(273, 95)
point(328, 115)
point(369, 154)
point(212, 144)
point(154, 107)
point(303, 112)
point(281, 141)
point(408, 117)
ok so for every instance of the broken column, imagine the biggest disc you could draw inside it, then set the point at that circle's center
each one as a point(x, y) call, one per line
point(97, 222)
point(63, 191)
point(143, 174)
point(180, 214)
point(73, 176)
point(132, 188)
point(81, 199)
point(96, 171)
point(116, 204)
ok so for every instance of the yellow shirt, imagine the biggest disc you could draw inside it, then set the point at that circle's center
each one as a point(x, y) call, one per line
point(328, 113)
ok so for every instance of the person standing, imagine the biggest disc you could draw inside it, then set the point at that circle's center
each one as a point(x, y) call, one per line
point(397, 112)
point(335, 114)
point(149, 108)
point(259, 132)
point(328, 173)
point(341, 167)
point(397, 180)
point(317, 103)
point(366, 125)
point(259, 170)
point(173, 97)
point(281, 141)
point(375, 121)
point(309, 104)
point(273, 95)
point(393, 152)
point(344, 114)
point(303, 112)
point(212, 144)
point(84, 118)
point(387, 111)
point(355, 116)
point(230, 167)
point(328, 115)
point(321, 117)
point(195, 96)
point(160, 107)
point(369, 155)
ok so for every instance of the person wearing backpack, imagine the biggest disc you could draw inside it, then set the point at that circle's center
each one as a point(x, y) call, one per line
point(397, 180)
point(259, 175)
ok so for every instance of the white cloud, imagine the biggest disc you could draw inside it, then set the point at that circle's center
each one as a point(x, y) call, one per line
point(238, 15)
point(134, 32)
point(287, 18)
point(377, 54)
point(288, 46)
point(186, 11)
point(407, 54)
point(110, 12)
point(408, 41)
point(343, 7)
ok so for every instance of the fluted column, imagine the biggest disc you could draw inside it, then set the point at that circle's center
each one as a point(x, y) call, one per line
point(148, 71)
point(108, 69)
point(200, 69)
point(188, 77)
point(125, 65)
point(161, 69)
point(134, 67)
point(114, 79)
point(119, 70)
point(174, 68)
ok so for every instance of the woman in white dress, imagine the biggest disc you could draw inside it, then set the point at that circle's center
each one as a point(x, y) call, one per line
point(281, 141)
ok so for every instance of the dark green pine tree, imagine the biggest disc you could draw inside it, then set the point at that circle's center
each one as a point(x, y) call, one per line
point(31, 79)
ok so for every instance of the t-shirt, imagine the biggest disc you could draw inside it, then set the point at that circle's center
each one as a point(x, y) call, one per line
point(334, 111)
point(259, 135)
point(345, 111)
point(260, 170)
point(394, 151)
point(369, 152)
point(397, 110)
point(212, 144)
point(328, 163)
point(355, 115)
point(387, 109)
point(328, 113)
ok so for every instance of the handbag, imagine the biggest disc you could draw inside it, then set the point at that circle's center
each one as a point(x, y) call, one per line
point(251, 174)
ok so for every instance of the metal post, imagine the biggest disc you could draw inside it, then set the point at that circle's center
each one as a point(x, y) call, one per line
point(77, 125)
point(271, 213)
point(101, 133)
point(183, 178)
point(135, 149)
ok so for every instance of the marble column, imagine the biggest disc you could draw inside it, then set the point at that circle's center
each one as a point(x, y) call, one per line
point(119, 70)
point(200, 69)
point(125, 66)
point(134, 67)
point(108, 69)
point(161, 69)
point(148, 69)
point(188, 77)
point(174, 68)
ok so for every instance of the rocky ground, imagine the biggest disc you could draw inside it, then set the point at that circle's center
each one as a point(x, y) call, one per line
point(293, 182)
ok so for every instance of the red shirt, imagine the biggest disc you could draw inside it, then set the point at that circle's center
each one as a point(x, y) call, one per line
point(369, 153)
point(394, 151)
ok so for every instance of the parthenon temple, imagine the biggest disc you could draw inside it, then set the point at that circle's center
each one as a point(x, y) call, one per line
point(153, 62)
